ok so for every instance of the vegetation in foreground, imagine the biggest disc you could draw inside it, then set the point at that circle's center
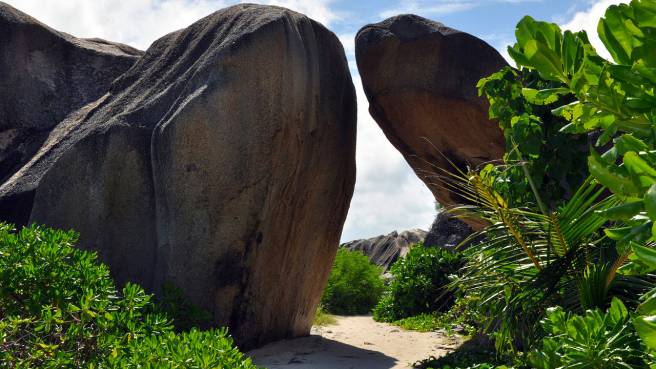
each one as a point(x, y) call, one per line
point(419, 284)
point(565, 269)
point(59, 308)
point(354, 285)
point(322, 318)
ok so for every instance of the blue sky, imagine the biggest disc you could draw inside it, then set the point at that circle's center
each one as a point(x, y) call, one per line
point(388, 196)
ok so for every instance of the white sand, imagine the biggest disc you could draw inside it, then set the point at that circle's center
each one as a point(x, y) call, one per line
point(354, 343)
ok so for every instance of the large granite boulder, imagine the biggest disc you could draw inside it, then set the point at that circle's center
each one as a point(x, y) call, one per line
point(386, 249)
point(420, 79)
point(44, 76)
point(223, 162)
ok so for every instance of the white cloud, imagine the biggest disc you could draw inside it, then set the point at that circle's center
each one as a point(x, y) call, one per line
point(136, 22)
point(140, 22)
point(587, 20)
point(348, 40)
point(429, 8)
point(388, 195)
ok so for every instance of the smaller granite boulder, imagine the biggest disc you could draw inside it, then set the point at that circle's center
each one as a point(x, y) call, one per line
point(447, 232)
point(385, 250)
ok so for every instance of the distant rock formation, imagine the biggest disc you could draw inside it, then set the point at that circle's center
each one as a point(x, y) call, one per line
point(385, 250)
point(420, 79)
point(223, 161)
point(44, 76)
point(447, 232)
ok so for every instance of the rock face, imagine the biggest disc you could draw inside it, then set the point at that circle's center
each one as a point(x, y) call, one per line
point(420, 79)
point(46, 75)
point(223, 161)
point(385, 250)
point(447, 231)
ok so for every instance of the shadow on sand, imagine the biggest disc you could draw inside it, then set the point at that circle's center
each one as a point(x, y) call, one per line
point(316, 352)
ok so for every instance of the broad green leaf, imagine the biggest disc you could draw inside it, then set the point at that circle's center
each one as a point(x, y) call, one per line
point(617, 234)
point(622, 212)
point(645, 13)
point(628, 142)
point(646, 255)
point(650, 202)
point(614, 178)
point(544, 97)
point(617, 311)
point(641, 172)
point(646, 328)
point(619, 34)
point(648, 306)
point(645, 71)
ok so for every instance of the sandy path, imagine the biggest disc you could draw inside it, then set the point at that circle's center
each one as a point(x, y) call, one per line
point(354, 343)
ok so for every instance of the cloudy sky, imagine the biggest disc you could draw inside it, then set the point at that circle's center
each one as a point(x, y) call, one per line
point(388, 196)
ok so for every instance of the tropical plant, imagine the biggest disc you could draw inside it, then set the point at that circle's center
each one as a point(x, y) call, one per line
point(59, 308)
point(538, 156)
point(419, 284)
point(354, 286)
point(530, 260)
point(617, 100)
point(594, 340)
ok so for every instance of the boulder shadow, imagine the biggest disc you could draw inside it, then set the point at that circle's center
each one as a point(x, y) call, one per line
point(316, 352)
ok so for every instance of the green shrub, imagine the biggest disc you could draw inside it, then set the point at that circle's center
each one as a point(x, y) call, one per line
point(477, 353)
point(421, 323)
point(419, 284)
point(184, 314)
point(354, 285)
point(59, 308)
point(594, 340)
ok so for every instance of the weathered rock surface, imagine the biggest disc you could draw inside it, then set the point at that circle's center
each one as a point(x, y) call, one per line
point(447, 231)
point(223, 162)
point(45, 75)
point(385, 250)
point(420, 79)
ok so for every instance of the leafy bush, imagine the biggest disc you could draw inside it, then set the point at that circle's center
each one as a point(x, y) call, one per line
point(594, 340)
point(464, 315)
point(615, 100)
point(59, 308)
point(477, 353)
point(420, 323)
point(354, 285)
point(419, 284)
point(185, 315)
point(566, 88)
point(539, 157)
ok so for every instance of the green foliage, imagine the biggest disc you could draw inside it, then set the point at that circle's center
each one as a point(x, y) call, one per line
point(595, 340)
point(59, 308)
point(617, 100)
point(419, 284)
point(184, 314)
point(354, 286)
point(321, 318)
point(554, 161)
point(578, 252)
point(477, 353)
point(464, 315)
point(530, 261)
point(420, 323)
point(211, 349)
